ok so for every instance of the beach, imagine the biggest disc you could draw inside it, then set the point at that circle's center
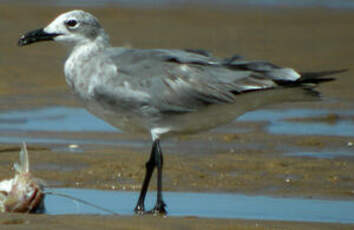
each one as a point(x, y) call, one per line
point(254, 161)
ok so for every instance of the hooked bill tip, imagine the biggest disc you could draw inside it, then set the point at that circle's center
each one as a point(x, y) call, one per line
point(35, 36)
point(22, 41)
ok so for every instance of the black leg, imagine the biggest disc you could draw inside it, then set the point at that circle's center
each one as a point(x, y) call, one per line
point(160, 204)
point(156, 160)
point(150, 165)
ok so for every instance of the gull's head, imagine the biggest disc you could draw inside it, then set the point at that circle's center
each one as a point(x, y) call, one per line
point(73, 27)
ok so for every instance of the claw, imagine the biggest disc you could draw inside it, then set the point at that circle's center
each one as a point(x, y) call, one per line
point(139, 210)
point(159, 209)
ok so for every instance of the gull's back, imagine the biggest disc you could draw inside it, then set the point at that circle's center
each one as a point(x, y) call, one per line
point(182, 91)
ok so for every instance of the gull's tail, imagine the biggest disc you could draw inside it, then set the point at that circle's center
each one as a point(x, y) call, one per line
point(300, 90)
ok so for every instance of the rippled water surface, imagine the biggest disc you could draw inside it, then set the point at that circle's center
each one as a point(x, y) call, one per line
point(211, 205)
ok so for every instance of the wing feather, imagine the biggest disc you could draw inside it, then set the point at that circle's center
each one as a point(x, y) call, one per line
point(183, 80)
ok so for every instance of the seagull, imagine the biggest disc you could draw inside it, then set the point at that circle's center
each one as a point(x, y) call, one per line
point(163, 92)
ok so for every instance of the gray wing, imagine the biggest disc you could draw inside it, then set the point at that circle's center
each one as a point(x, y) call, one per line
point(183, 80)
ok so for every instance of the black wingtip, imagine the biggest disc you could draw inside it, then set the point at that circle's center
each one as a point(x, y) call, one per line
point(200, 52)
point(314, 75)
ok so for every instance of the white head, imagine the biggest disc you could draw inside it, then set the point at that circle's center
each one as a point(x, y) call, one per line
point(74, 27)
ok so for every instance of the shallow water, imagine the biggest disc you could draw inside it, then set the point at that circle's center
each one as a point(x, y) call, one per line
point(210, 205)
point(57, 119)
point(29, 126)
point(279, 122)
point(326, 154)
point(65, 119)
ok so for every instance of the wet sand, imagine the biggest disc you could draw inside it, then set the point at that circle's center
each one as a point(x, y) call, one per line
point(311, 39)
point(30, 222)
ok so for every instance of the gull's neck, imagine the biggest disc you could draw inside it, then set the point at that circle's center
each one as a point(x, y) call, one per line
point(90, 47)
point(79, 65)
point(85, 50)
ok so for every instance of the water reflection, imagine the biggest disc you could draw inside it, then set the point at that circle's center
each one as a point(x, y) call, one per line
point(56, 119)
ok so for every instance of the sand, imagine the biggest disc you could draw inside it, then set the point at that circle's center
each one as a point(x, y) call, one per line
point(308, 39)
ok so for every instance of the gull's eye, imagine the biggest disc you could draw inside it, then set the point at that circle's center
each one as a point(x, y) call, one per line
point(71, 23)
